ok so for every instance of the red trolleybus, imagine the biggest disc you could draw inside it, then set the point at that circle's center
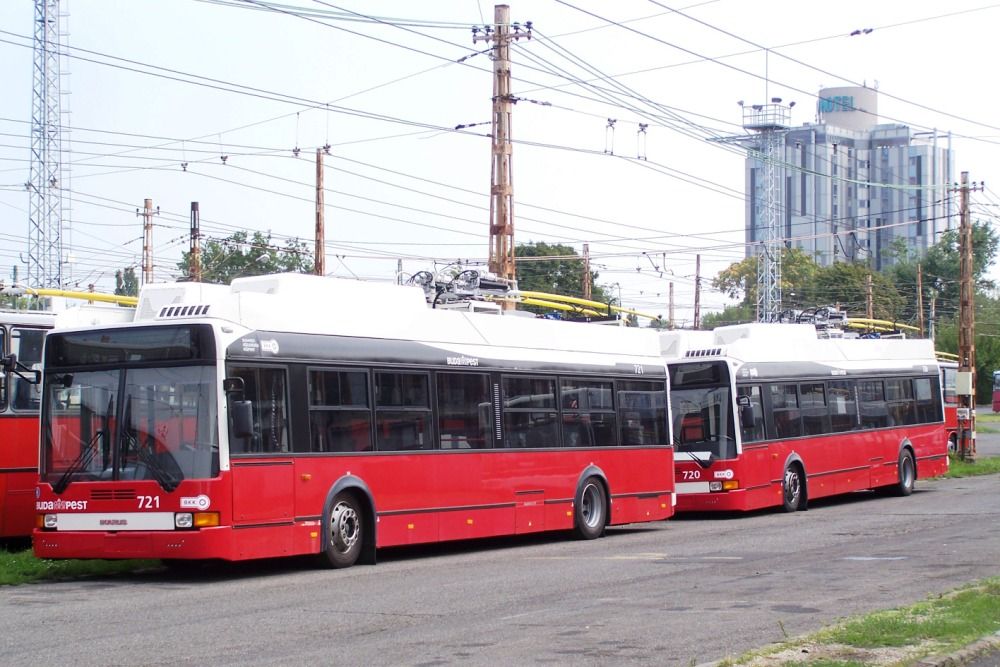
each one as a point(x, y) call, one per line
point(21, 334)
point(770, 415)
point(296, 414)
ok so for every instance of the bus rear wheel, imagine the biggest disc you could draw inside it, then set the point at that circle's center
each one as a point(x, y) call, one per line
point(590, 510)
point(907, 474)
point(792, 488)
point(344, 532)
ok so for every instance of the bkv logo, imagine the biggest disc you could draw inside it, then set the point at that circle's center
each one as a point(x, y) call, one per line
point(836, 103)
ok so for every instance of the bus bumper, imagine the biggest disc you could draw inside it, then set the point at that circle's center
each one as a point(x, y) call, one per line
point(196, 544)
point(723, 501)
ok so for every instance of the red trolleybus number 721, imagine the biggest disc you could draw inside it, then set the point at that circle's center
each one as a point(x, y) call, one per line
point(268, 419)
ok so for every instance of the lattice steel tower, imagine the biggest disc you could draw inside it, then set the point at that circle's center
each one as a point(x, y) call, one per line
point(770, 122)
point(45, 217)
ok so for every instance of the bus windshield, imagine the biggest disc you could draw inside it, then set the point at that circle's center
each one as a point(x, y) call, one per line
point(701, 405)
point(130, 424)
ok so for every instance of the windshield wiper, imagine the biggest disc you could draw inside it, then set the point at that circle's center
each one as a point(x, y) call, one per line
point(167, 481)
point(81, 461)
point(704, 463)
point(162, 476)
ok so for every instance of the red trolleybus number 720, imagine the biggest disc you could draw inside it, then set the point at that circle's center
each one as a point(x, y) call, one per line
point(770, 415)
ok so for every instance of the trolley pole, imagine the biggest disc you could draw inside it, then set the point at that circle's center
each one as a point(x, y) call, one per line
point(586, 271)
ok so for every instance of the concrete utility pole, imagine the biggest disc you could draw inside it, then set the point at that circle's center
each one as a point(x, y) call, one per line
point(194, 256)
point(965, 382)
point(586, 271)
point(501, 260)
point(147, 239)
point(319, 265)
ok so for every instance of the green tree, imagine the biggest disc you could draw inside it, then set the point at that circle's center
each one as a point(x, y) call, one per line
point(126, 282)
point(845, 284)
point(739, 280)
point(240, 255)
point(940, 268)
point(737, 314)
point(557, 270)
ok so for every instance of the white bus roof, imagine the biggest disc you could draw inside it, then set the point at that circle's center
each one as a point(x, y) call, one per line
point(779, 342)
point(297, 303)
point(76, 315)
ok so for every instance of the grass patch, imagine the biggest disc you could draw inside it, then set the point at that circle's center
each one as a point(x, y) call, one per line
point(21, 567)
point(987, 417)
point(951, 621)
point(986, 465)
point(901, 636)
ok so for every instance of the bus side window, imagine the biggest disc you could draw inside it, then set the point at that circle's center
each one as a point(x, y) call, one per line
point(928, 407)
point(871, 395)
point(843, 406)
point(753, 431)
point(465, 413)
point(785, 411)
point(340, 418)
point(27, 345)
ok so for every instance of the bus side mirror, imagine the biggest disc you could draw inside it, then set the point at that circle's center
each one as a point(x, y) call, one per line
point(746, 411)
point(9, 363)
point(242, 414)
point(233, 385)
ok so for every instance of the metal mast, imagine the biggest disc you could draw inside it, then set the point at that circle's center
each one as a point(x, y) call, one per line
point(769, 121)
point(45, 239)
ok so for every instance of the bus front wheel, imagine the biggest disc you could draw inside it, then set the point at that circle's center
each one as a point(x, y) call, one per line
point(792, 488)
point(344, 532)
point(590, 510)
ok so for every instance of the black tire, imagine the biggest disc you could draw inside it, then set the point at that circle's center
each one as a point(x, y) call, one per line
point(590, 510)
point(793, 488)
point(344, 532)
point(907, 474)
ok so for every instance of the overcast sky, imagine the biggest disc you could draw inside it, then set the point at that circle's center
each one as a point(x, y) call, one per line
point(157, 84)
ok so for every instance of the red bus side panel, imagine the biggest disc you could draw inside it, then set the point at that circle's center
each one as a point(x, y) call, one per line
point(18, 474)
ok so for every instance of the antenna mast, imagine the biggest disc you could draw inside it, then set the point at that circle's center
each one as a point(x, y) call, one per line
point(45, 215)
